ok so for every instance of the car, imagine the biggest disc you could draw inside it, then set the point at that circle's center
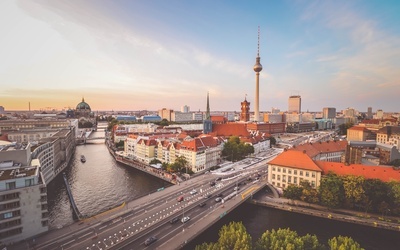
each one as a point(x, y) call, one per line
point(212, 184)
point(218, 179)
point(218, 199)
point(193, 191)
point(236, 188)
point(185, 219)
point(220, 195)
point(150, 240)
point(202, 204)
point(180, 198)
point(172, 221)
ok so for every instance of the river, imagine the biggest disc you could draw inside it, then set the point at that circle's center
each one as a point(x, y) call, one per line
point(101, 183)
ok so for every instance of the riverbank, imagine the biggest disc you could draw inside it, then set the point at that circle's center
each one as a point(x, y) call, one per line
point(371, 220)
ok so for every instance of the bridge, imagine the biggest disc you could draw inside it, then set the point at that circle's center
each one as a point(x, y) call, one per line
point(133, 222)
point(77, 214)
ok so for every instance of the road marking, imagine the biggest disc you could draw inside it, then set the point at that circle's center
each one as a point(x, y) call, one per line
point(69, 242)
point(84, 235)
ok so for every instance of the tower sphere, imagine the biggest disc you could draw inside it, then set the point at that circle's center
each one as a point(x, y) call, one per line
point(257, 67)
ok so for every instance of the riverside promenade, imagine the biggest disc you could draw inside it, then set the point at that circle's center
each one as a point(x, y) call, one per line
point(350, 216)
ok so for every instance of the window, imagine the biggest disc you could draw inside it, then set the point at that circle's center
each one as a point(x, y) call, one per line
point(273, 177)
point(295, 172)
point(10, 185)
point(28, 182)
point(7, 215)
point(313, 174)
point(307, 174)
point(289, 171)
point(289, 179)
point(273, 169)
point(301, 173)
point(295, 180)
point(279, 169)
point(284, 178)
point(279, 177)
point(284, 170)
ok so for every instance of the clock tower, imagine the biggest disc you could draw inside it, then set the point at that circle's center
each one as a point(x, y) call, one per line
point(245, 108)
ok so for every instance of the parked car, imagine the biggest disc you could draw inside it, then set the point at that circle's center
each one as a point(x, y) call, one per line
point(218, 179)
point(220, 195)
point(150, 240)
point(185, 219)
point(236, 188)
point(212, 184)
point(193, 192)
point(218, 199)
point(202, 204)
point(180, 198)
point(172, 221)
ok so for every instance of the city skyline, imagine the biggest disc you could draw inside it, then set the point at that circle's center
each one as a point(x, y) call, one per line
point(136, 55)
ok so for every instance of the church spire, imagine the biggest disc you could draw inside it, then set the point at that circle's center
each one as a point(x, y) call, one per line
point(208, 108)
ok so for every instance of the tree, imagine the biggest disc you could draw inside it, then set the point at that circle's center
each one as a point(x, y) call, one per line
point(376, 191)
point(231, 237)
point(279, 239)
point(353, 189)
point(293, 192)
point(394, 195)
point(311, 242)
point(343, 243)
point(331, 191)
point(235, 150)
point(343, 128)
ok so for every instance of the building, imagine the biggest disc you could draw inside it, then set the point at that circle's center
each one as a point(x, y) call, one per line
point(177, 116)
point(245, 111)
point(273, 118)
point(328, 113)
point(389, 135)
point(369, 113)
point(324, 151)
point(83, 110)
point(129, 118)
point(165, 114)
point(266, 128)
point(292, 167)
point(23, 195)
point(185, 109)
point(207, 122)
point(359, 133)
point(294, 104)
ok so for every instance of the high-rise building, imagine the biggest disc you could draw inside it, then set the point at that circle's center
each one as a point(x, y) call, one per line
point(185, 109)
point(257, 68)
point(328, 113)
point(245, 111)
point(165, 113)
point(369, 113)
point(294, 104)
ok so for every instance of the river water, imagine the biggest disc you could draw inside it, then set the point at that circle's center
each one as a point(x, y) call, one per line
point(101, 183)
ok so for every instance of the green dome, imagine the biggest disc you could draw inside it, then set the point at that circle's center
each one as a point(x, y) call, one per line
point(83, 106)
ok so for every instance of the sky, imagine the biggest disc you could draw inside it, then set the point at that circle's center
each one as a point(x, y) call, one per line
point(154, 54)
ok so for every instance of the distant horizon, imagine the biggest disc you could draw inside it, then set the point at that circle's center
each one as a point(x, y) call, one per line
point(140, 55)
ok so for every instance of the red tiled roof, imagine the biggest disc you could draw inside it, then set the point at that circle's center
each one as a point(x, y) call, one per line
point(313, 149)
point(218, 118)
point(230, 129)
point(295, 159)
point(360, 128)
point(383, 173)
point(371, 121)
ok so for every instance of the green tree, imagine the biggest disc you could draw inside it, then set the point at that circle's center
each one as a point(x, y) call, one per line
point(376, 191)
point(234, 236)
point(207, 246)
point(343, 243)
point(394, 195)
point(164, 122)
point(353, 189)
point(311, 242)
point(331, 191)
point(293, 192)
point(279, 239)
point(235, 150)
point(343, 128)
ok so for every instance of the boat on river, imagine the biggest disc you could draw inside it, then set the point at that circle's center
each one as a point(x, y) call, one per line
point(83, 158)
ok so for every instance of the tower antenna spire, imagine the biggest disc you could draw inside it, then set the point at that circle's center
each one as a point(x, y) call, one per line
point(258, 44)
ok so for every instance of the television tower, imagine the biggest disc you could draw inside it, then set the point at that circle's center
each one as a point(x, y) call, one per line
point(257, 68)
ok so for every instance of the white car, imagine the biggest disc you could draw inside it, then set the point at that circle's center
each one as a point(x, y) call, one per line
point(185, 219)
point(193, 191)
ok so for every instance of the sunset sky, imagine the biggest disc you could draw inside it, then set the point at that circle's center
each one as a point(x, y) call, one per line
point(135, 55)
